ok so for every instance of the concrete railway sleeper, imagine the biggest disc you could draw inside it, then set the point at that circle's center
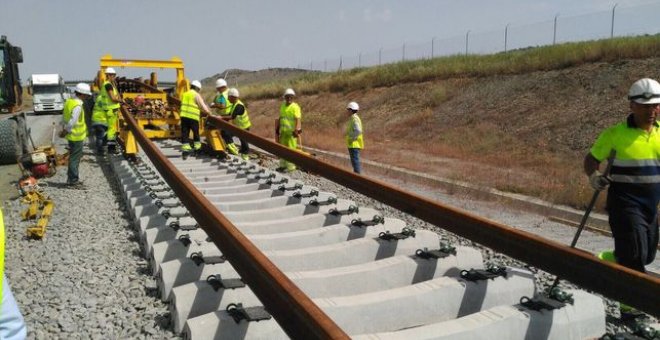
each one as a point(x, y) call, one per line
point(368, 273)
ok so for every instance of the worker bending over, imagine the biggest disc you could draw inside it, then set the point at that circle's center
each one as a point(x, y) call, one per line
point(223, 109)
point(288, 127)
point(74, 130)
point(239, 116)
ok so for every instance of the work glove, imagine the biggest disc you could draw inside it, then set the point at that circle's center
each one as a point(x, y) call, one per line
point(62, 133)
point(599, 181)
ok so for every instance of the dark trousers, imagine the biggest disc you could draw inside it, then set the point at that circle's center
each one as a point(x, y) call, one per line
point(354, 153)
point(75, 154)
point(245, 147)
point(227, 137)
point(635, 232)
point(188, 125)
point(100, 137)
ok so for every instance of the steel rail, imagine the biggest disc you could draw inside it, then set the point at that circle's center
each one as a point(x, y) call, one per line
point(294, 311)
point(634, 288)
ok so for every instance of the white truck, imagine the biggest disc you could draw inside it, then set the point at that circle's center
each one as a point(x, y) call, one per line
point(48, 93)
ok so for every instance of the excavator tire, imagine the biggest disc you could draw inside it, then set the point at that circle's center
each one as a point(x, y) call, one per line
point(10, 145)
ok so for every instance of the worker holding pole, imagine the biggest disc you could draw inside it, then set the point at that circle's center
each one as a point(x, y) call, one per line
point(288, 127)
point(74, 129)
point(634, 180)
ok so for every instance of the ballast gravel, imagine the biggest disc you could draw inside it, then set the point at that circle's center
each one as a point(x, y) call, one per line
point(86, 278)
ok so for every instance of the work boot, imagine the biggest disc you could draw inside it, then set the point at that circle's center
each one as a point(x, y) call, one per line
point(245, 156)
point(184, 155)
point(231, 147)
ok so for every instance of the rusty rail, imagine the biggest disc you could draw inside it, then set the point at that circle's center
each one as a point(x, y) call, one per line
point(294, 311)
point(609, 279)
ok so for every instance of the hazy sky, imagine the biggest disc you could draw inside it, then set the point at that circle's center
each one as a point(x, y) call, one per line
point(69, 36)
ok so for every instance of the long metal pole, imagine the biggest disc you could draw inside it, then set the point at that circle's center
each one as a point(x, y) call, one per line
point(432, 46)
point(554, 30)
point(467, 39)
point(506, 34)
point(612, 25)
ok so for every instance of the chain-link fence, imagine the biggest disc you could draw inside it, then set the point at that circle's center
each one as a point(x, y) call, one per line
point(617, 22)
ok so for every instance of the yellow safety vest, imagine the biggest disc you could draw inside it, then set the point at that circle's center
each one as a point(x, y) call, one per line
point(288, 115)
point(106, 101)
point(189, 108)
point(227, 110)
point(354, 141)
point(2, 253)
point(242, 121)
point(98, 113)
point(79, 130)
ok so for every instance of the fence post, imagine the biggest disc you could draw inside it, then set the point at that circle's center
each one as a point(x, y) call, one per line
point(554, 30)
point(380, 52)
point(612, 26)
point(341, 61)
point(506, 34)
point(467, 39)
point(432, 46)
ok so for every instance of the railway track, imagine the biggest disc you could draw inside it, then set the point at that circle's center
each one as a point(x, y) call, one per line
point(243, 252)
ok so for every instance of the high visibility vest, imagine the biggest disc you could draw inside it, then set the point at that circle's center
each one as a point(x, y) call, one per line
point(79, 130)
point(189, 108)
point(354, 139)
point(242, 121)
point(227, 110)
point(98, 113)
point(288, 115)
point(2, 253)
point(106, 100)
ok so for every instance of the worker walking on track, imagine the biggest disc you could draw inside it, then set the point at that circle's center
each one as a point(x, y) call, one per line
point(239, 115)
point(12, 325)
point(192, 104)
point(223, 109)
point(110, 102)
point(634, 182)
point(288, 127)
point(74, 130)
point(353, 135)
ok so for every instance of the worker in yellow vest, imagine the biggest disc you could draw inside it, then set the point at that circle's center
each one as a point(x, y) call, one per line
point(354, 136)
point(110, 102)
point(223, 109)
point(74, 130)
point(12, 325)
point(239, 116)
point(288, 127)
point(192, 105)
point(99, 126)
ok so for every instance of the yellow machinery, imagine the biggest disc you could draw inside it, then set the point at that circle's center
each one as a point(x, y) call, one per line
point(36, 202)
point(155, 111)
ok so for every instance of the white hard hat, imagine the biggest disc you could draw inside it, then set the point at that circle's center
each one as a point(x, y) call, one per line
point(289, 92)
point(353, 106)
point(220, 83)
point(83, 88)
point(110, 70)
point(196, 84)
point(645, 91)
point(233, 92)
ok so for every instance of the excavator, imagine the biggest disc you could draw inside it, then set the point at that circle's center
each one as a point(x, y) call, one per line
point(14, 137)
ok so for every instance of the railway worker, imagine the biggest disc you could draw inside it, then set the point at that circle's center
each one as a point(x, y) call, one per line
point(223, 109)
point(192, 104)
point(288, 127)
point(634, 181)
point(12, 325)
point(110, 102)
point(99, 126)
point(353, 135)
point(74, 130)
point(239, 116)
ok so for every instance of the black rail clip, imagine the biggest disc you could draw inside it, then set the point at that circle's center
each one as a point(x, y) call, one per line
point(185, 240)
point(296, 186)
point(328, 201)
point(280, 181)
point(404, 234)
point(352, 209)
point(377, 219)
point(177, 226)
point(238, 313)
point(265, 176)
point(540, 302)
point(444, 251)
point(481, 274)
point(311, 193)
point(216, 281)
point(199, 258)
